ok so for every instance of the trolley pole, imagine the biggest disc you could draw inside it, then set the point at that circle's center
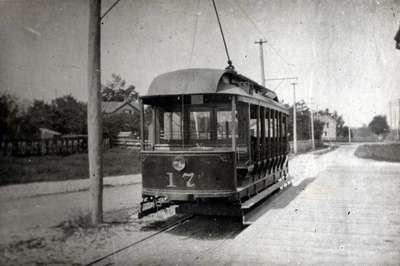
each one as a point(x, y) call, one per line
point(94, 115)
point(260, 42)
point(294, 119)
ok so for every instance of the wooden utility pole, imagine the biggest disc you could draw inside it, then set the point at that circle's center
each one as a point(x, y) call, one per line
point(294, 119)
point(95, 136)
point(398, 122)
point(390, 115)
point(260, 42)
point(349, 134)
point(312, 125)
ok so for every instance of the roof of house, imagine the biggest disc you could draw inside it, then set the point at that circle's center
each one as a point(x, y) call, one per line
point(44, 130)
point(112, 107)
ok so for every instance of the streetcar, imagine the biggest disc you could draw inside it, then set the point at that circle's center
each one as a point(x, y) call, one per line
point(217, 143)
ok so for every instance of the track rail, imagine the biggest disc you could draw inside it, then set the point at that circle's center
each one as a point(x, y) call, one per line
point(167, 228)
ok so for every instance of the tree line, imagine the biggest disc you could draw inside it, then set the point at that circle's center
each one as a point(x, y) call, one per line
point(65, 114)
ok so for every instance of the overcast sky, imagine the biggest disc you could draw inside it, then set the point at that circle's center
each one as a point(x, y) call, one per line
point(342, 51)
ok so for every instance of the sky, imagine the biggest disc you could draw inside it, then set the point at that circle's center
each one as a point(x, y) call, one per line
point(341, 51)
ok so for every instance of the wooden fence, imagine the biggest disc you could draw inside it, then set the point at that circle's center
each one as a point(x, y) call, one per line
point(38, 147)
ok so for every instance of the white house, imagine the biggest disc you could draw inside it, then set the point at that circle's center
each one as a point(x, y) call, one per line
point(329, 130)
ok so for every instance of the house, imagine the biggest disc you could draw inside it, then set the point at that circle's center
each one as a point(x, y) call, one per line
point(329, 130)
point(46, 133)
point(119, 107)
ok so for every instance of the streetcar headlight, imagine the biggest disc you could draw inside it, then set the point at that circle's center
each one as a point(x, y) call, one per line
point(179, 163)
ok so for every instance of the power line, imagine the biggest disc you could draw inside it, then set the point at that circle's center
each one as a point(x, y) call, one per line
point(230, 66)
point(276, 51)
point(244, 13)
point(109, 9)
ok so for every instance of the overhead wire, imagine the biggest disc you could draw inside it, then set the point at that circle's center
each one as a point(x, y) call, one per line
point(252, 22)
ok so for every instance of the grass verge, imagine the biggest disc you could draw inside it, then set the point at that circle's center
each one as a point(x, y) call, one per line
point(381, 152)
point(18, 170)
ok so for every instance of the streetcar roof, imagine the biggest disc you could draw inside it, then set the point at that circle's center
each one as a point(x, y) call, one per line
point(202, 81)
point(211, 81)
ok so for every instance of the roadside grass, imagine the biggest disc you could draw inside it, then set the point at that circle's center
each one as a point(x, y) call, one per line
point(381, 152)
point(18, 170)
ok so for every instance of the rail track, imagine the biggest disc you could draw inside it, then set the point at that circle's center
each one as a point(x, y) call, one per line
point(165, 229)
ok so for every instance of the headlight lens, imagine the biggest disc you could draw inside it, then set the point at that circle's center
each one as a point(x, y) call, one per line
point(179, 163)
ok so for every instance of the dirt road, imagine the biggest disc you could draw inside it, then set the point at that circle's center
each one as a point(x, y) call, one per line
point(19, 215)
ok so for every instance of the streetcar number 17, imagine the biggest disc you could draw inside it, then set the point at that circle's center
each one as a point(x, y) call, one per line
point(187, 176)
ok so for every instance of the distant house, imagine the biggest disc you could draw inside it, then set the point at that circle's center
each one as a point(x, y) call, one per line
point(119, 107)
point(46, 133)
point(329, 130)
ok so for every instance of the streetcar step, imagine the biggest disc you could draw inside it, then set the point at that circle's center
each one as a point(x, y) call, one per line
point(252, 201)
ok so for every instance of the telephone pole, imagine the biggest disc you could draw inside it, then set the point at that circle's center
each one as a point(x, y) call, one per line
point(94, 118)
point(398, 122)
point(260, 42)
point(349, 133)
point(294, 119)
point(390, 116)
point(312, 124)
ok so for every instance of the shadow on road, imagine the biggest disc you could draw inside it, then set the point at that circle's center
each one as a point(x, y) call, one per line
point(278, 200)
point(200, 227)
point(210, 228)
point(218, 227)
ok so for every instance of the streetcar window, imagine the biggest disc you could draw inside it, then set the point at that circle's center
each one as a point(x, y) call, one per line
point(224, 124)
point(200, 125)
point(171, 128)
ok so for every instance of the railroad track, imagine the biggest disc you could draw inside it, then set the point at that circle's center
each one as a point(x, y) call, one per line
point(165, 229)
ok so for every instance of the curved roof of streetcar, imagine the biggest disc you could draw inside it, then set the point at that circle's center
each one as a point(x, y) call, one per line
point(202, 81)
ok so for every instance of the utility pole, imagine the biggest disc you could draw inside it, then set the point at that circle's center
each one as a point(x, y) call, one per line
point(294, 119)
point(312, 125)
point(260, 42)
point(349, 134)
point(398, 122)
point(390, 115)
point(94, 118)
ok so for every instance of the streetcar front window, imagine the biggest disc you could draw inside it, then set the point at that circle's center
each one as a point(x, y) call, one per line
point(178, 122)
point(200, 125)
point(224, 125)
point(171, 126)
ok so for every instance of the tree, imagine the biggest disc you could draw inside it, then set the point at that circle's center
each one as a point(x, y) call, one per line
point(114, 123)
point(303, 120)
point(318, 128)
point(8, 116)
point(41, 114)
point(379, 125)
point(116, 90)
point(69, 115)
